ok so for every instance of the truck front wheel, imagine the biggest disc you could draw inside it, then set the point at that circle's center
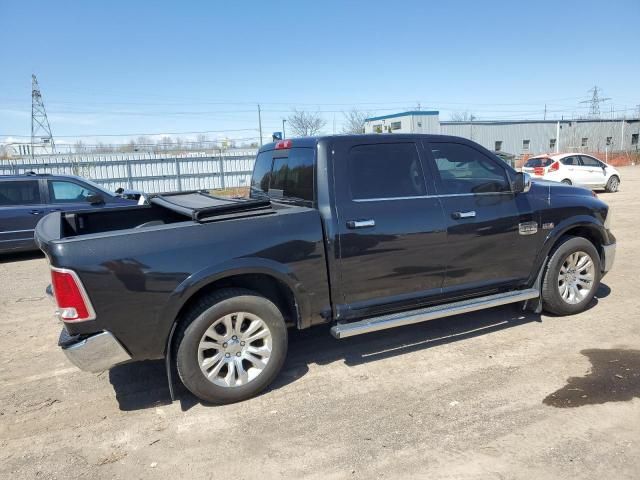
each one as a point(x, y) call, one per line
point(572, 277)
point(230, 345)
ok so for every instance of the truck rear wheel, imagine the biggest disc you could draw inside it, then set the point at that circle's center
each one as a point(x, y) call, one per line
point(572, 277)
point(230, 345)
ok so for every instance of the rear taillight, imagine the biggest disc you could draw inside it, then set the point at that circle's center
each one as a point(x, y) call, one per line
point(538, 171)
point(71, 298)
point(554, 166)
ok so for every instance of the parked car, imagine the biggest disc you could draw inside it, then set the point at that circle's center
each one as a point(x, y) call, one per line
point(574, 169)
point(361, 232)
point(25, 199)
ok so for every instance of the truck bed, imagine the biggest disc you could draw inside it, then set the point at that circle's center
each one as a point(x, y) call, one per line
point(163, 209)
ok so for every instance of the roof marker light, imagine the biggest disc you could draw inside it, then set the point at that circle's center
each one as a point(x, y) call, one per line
point(283, 144)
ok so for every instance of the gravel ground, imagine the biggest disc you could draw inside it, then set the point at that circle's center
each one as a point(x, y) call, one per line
point(496, 394)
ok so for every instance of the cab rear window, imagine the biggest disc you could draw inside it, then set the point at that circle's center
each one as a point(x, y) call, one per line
point(538, 162)
point(284, 174)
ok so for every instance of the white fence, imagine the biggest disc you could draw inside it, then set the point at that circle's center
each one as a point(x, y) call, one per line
point(148, 172)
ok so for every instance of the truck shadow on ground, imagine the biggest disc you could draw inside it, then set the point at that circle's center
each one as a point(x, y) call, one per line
point(20, 256)
point(144, 384)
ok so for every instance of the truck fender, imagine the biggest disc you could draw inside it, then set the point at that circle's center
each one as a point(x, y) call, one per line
point(579, 221)
point(195, 282)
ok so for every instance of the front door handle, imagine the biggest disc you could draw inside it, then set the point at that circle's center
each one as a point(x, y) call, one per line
point(459, 215)
point(36, 212)
point(361, 223)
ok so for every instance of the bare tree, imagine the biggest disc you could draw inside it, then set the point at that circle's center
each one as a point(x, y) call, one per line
point(305, 124)
point(165, 143)
point(465, 116)
point(354, 121)
point(201, 141)
point(79, 147)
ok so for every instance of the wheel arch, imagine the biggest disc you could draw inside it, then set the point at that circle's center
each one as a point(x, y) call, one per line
point(582, 226)
point(270, 279)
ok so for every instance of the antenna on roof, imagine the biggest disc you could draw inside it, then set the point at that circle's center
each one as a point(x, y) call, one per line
point(39, 122)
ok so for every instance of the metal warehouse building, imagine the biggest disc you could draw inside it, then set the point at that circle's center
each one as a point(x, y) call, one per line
point(520, 137)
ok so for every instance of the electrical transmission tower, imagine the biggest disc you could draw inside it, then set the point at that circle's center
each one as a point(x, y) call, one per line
point(40, 128)
point(594, 103)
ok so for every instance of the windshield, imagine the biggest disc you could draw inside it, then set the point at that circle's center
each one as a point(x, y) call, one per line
point(538, 162)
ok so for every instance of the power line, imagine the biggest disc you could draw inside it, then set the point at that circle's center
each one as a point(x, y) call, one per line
point(141, 134)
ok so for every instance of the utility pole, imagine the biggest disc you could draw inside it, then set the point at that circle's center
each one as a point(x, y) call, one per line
point(545, 112)
point(39, 122)
point(260, 124)
point(283, 132)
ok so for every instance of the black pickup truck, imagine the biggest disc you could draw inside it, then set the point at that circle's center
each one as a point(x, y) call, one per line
point(363, 232)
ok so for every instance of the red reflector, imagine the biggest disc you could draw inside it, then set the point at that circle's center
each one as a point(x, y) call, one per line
point(73, 305)
point(283, 144)
point(554, 166)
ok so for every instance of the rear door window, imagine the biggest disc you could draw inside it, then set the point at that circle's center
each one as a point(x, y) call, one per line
point(19, 192)
point(570, 161)
point(385, 170)
point(590, 161)
point(461, 169)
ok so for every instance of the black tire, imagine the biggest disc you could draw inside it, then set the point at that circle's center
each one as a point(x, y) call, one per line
point(552, 301)
point(201, 316)
point(566, 181)
point(613, 184)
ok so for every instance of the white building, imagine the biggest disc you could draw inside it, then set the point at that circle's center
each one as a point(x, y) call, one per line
point(416, 121)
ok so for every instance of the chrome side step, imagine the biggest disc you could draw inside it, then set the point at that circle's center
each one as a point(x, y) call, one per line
point(349, 329)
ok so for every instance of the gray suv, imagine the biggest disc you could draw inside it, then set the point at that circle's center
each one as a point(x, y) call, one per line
point(25, 199)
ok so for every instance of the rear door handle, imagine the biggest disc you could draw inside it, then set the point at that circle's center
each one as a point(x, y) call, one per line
point(361, 223)
point(459, 215)
point(36, 212)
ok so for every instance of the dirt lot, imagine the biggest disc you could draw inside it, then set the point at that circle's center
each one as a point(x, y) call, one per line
point(496, 394)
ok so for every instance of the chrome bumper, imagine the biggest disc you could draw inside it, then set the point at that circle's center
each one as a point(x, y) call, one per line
point(608, 256)
point(96, 353)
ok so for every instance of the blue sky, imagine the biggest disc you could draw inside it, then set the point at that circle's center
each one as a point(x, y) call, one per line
point(123, 68)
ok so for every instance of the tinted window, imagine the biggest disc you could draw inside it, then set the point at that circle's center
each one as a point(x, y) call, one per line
point(261, 175)
point(570, 161)
point(289, 176)
point(60, 191)
point(590, 162)
point(386, 170)
point(19, 193)
point(538, 162)
point(292, 176)
point(462, 169)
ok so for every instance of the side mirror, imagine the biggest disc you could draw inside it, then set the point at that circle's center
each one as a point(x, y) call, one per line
point(522, 183)
point(95, 199)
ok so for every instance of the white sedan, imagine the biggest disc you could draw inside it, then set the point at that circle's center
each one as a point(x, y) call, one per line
point(574, 169)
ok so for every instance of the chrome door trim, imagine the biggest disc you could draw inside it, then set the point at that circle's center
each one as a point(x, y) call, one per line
point(379, 199)
point(17, 231)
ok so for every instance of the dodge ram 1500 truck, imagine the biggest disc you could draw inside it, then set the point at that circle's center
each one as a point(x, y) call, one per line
point(364, 232)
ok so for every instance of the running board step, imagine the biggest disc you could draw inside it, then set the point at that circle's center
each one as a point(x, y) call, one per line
point(349, 329)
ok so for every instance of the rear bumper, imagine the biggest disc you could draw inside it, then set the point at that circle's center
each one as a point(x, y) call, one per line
point(95, 353)
point(608, 257)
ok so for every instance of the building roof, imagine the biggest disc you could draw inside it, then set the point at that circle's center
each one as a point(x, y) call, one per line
point(516, 122)
point(403, 114)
